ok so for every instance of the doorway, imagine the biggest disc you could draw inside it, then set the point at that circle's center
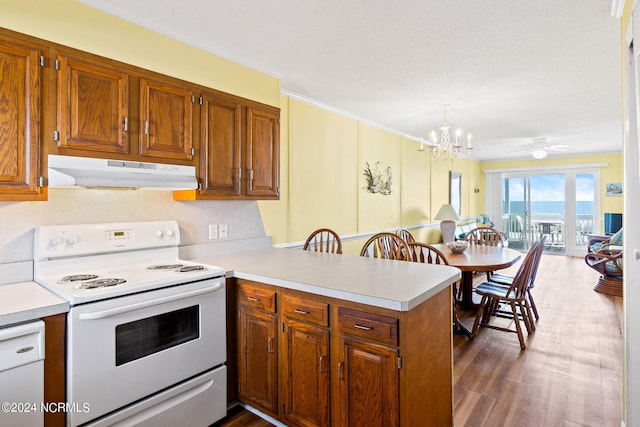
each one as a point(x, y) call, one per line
point(560, 205)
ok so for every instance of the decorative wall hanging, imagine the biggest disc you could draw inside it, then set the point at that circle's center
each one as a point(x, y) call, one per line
point(614, 190)
point(377, 181)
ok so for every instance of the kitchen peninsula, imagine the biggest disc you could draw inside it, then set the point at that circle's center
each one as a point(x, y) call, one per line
point(328, 339)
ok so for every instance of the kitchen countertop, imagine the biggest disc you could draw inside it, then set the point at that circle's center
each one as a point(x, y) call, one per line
point(396, 285)
point(24, 301)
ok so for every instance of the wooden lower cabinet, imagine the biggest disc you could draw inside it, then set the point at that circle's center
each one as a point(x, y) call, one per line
point(341, 363)
point(305, 372)
point(258, 359)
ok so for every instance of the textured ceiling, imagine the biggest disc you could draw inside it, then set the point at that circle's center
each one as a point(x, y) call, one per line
point(512, 71)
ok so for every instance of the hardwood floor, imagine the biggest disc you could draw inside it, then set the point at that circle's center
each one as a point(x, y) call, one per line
point(569, 375)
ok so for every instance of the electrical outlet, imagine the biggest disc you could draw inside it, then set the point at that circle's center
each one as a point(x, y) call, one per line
point(224, 231)
point(213, 231)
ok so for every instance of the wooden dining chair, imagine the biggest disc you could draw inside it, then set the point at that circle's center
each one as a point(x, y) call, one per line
point(507, 280)
point(427, 254)
point(323, 240)
point(405, 235)
point(387, 246)
point(485, 236)
point(513, 296)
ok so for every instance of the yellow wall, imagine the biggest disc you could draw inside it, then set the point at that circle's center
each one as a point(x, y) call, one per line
point(323, 179)
point(74, 24)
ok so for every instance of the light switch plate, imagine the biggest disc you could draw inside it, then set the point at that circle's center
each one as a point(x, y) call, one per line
point(213, 231)
point(224, 231)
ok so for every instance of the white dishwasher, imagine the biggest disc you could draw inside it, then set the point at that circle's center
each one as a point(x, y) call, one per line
point(22, 375)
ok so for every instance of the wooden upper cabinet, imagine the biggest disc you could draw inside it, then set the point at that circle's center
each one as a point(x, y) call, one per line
point(262, 152)
point(220, 150)
point(93, 106)
point(20, 99)
point(165, 120)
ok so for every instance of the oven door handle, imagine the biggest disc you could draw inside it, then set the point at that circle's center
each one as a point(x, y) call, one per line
point(137, 306)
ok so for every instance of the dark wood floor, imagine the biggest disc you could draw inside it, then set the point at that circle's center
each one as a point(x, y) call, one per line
point(569, 375)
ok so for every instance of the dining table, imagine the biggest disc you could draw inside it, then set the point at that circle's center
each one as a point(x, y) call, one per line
point(480, 258)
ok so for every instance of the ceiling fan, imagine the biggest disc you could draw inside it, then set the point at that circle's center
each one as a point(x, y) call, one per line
point(539, 148)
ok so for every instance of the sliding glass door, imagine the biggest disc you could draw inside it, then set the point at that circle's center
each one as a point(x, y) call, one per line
point(515, 211)
point(558, 205)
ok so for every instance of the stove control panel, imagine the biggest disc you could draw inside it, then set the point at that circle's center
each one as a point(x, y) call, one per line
point(53, 241)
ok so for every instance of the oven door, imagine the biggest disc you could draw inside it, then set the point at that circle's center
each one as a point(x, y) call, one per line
point(125, 349)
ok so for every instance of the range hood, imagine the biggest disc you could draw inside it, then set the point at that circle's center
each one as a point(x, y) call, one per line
point(71, 171)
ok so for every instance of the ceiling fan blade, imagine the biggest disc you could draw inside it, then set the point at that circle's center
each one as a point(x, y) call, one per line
point(559, 147)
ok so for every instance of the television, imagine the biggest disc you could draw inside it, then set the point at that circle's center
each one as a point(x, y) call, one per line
point(612, 222)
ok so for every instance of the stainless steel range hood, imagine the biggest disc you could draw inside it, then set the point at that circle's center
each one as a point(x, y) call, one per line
point(71, 171)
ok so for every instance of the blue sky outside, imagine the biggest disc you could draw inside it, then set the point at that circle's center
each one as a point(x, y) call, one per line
point(550, 188)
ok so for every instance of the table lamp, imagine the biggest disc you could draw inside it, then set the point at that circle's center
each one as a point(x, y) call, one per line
point(448, 217)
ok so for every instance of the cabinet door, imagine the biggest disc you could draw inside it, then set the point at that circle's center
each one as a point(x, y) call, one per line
point(220, 153)
point(305, 367)
point(262, 153)
point(93, 106)
point(258, 365)
point(19, 121)
point(165, 120)
point(368, 383)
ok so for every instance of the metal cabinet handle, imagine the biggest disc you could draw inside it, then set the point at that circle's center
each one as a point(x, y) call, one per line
point(300, 311)
point(126, 124)
point(252, 299)
point(636, 254)
point(340, 371)
point(364, 328)
point(146, 127)
point(322, 367)
point(269, 345)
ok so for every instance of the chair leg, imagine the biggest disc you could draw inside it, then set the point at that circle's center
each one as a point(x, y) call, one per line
point(533, 304)
point(476, 322)
point(527, 307)
point(516, 320)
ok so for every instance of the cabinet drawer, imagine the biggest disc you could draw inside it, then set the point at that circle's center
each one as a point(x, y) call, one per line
point(306, 310)
point(253, 296)
point(367, 325)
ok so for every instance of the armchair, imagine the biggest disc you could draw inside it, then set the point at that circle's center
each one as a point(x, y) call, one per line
point(605, 256)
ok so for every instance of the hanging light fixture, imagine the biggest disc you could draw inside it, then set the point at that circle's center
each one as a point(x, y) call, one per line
point(444, 148)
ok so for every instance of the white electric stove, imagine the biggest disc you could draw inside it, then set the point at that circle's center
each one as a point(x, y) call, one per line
point(146, 331)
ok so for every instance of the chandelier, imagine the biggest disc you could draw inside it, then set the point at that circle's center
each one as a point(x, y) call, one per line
point(444, 149)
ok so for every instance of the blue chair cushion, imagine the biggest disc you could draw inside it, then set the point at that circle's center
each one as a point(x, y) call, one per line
point(616, 239)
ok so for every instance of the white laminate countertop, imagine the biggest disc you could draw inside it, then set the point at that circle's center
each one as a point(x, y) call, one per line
point(396, 285)
point(24, 301)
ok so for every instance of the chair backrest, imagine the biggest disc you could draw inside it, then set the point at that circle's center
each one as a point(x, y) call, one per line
point(405, 235)
point(323, 240)
point(485, 236)
point(422, 252)
point(387, 246)
point(538, 257)
point(522, 278)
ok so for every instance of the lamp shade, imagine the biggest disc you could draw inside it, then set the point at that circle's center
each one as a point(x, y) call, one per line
point(447, 213)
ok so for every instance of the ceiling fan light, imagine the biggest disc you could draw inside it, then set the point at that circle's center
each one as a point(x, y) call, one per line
point(539, 153)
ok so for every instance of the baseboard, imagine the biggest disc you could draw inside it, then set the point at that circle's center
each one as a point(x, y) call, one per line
point(263, 416)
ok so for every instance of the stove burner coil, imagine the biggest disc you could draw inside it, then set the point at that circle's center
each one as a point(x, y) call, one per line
point(179, 268)
point(78, 278)
point(188, 268)
point(163, 267)
point(101, 283)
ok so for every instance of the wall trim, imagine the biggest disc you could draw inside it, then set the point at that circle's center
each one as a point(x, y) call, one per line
point(343, 113)
point(357, 236)
point(548, 168)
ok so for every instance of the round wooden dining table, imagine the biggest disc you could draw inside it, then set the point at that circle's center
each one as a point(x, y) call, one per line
point(477, 258)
